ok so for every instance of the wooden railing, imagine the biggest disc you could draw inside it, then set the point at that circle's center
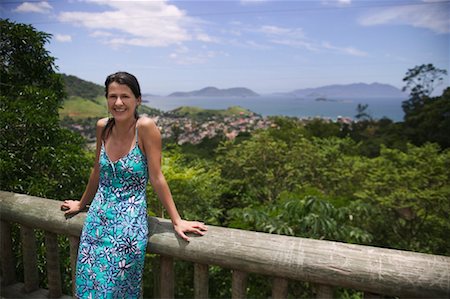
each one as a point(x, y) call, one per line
point(323, 263)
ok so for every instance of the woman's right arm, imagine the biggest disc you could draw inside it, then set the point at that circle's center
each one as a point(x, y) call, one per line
point(74, 206)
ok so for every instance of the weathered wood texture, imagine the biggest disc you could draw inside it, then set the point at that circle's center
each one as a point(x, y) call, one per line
point(370, 269)
point(279, 288)
point(74, 244)
point(201, 276)
point(30, 269)
point(167, 277)
point(239, 285)
point(6, 256)
point(16, 291)
point(53, 271)
point(324, 292)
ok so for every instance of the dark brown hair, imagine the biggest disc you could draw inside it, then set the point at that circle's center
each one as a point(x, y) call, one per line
point(121, 78)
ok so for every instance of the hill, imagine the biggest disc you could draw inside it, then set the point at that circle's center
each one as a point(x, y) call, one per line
point(76, 87)
point(199, 113)
point(87, 100)
point(361, 90)
point(216, 92)
point(80, 108)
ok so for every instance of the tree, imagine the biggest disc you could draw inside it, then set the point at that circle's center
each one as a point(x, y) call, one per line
point(421, 81)
point(362, 113)
point(25, 62)
point(37, 157)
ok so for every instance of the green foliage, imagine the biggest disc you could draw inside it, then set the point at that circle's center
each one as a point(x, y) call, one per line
point(410, 194)
point(25, 62)
point(397, 199)
point(360, 184)
point(302, 215)
point(195, 188)
point(427, 119)
point(430, 121)
point(81, 108)
point(38, 156)
point(203, 114)
point(421, 81)
point(76, 87)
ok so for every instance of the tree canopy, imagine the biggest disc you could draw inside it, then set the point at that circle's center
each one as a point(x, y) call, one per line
point(37, 156)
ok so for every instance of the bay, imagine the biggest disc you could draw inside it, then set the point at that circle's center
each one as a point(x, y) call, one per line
point(287, 106)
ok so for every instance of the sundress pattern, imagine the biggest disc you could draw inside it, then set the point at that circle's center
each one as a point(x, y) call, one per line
point(114, 236)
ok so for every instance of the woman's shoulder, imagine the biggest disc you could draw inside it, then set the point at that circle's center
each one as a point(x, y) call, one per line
point(146, 123)
point(147, 126)
point(101, 123)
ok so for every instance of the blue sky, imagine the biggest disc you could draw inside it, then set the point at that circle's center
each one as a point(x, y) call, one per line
point(268, 46)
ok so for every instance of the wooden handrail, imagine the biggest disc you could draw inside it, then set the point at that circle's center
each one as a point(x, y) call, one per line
point(365, 268)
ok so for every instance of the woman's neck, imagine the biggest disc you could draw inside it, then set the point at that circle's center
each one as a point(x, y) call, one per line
point(124, 127)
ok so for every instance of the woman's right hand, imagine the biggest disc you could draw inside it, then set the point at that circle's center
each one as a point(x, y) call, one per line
point(71, 207)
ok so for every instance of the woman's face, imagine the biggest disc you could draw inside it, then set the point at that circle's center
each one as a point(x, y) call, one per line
point(121, 101)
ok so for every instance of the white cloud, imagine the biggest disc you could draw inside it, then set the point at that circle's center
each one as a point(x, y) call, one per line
point(250, 2)
point(184, 56)
point(346, 50)
point(37, 7)
point(337, 2)
point(295, 37)
point(139, 23)
point(429, 15)
point(99, 33)
point(275, 31)
point(63, 38)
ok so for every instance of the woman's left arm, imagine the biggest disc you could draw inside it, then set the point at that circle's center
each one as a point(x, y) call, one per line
point(150, 138)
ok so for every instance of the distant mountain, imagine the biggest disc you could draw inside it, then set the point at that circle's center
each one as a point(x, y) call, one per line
point(361, 90)
point(215, 92)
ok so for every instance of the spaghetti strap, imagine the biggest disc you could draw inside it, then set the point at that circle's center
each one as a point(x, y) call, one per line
point(136, 134)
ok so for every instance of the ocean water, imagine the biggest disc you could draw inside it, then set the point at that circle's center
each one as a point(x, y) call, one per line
point(287, 106)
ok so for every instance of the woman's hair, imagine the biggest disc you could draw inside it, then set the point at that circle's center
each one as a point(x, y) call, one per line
point(121, 78)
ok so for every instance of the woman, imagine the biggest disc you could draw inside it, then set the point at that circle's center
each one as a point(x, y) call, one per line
point(114, 237)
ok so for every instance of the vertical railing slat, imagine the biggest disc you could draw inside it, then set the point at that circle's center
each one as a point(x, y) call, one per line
point(324, 291)
point(74, 244)
point(201, 281)
point(53, 268)
point(30, 270)
point(7, 257)
point(167, 277)
point(368, 295)
point(279, 288)
point(239, 284)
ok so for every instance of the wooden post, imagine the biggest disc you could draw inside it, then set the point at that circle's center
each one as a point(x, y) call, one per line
point(279, 288)
point(74, 244)
point(30, 270)
point(167, 280)
point(200, 281)
point(6, 255)
point(53, 271)
point(156, 269)
point(368, 295)
point(239, 284)
point(324, 291)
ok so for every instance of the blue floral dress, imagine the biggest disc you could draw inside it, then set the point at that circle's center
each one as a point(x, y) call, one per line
point(114, 237)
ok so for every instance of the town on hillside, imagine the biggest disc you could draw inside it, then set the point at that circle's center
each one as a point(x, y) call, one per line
point(187, 129)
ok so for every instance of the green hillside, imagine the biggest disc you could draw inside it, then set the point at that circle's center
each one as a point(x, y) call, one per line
point(76, 87)
point(78, 108)
point(199, 113)
point(86, 100)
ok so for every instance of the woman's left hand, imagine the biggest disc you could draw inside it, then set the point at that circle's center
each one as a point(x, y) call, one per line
point(195, 227)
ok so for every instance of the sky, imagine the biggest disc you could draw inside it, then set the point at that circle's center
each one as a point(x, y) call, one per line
point(265, 45)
